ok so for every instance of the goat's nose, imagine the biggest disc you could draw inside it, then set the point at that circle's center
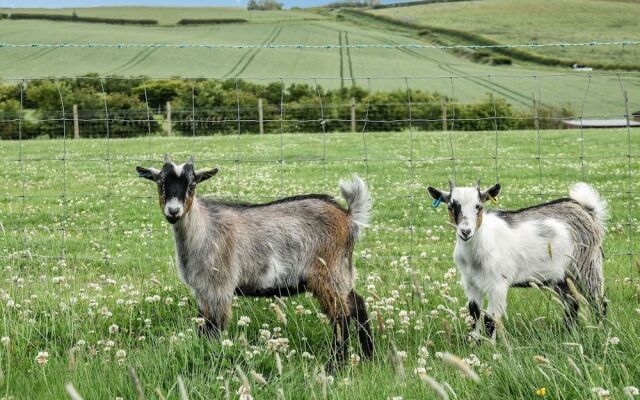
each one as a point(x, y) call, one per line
point(465, 232)
point(174, 211)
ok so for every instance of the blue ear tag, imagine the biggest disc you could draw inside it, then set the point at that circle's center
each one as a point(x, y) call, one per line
point(436, 202)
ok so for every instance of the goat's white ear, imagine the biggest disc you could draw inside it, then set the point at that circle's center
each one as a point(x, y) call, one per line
point(204, 174)
point(148, 173)
point(493, 191)
point(439, 194)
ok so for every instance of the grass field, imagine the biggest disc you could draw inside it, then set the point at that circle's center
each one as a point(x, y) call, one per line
point(114, 300)
point(539, 21)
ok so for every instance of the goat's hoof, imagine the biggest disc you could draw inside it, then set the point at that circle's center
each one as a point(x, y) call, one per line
point(474, 337)
point(208, 332)
point(332, 367)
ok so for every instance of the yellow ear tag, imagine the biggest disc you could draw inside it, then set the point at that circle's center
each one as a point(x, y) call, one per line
point(494, 200)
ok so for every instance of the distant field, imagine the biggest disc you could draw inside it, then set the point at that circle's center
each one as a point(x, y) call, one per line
point(171, 15)
point(602, 95)
point(540, 21)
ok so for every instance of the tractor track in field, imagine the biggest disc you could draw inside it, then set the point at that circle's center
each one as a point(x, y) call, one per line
point(341, 60)
point(494, 87)
point(252, 53)
point(37, 54)
point(135, 60)
point(348, 51)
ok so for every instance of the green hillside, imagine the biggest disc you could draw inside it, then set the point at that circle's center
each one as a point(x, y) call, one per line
point(595, 95)
point(539, 21)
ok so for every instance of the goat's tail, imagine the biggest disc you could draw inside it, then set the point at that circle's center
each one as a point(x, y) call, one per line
point(591, 201)
point(356, 194)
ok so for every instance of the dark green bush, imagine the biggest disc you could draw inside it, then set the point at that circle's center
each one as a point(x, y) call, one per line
point(211, 21)
point(75, 18)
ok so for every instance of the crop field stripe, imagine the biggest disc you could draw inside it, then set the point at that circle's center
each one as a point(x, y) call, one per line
point(136, 60)
point(248, 52)
point(348, 48)
point(341, 60)
point(503, 90)
point(255, 53)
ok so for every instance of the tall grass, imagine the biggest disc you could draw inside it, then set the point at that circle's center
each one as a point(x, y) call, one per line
point(114, 303)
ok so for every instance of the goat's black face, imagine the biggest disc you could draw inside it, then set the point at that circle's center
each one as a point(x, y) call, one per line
point(176, 186)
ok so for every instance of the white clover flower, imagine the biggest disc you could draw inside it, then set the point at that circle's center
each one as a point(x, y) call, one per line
point(114, 329)
point(420, 371)
point(121, 353)
point(227, 343)
point(42, 358)
point(631, 391)
point(264, 334)
point(5, 340)
point(244, 393)
point(199, 321)
point(614, 340)
point(599, 391)
point(244, 321)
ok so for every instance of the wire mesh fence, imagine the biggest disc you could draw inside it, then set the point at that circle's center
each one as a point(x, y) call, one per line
point(73, 197)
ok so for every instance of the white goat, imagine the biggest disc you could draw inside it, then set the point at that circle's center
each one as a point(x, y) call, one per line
point(541, 245)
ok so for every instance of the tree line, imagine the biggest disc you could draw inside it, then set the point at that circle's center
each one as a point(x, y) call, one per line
point(129, 107)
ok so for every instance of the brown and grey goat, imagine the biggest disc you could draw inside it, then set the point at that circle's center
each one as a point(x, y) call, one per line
point(281, 248)
point(546, 244)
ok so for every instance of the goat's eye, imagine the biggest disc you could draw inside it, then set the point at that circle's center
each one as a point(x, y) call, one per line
point(478, 207)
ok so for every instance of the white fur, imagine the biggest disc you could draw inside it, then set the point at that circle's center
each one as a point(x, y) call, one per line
point(499, 256)
point(356, 194)
point(590, 198)
point(178, 169)
point(174, 203)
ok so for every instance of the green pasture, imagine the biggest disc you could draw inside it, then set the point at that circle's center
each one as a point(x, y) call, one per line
point(84, 248)
point(592, 94)
point(540, 21)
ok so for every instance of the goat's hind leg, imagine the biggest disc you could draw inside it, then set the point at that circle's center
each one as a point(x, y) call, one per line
point(571, 304)
point(359, 315)
point(336, 306)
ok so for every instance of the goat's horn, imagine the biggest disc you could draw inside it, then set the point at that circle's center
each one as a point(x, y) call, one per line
point(451, 185)
point(191, 159)
point(167, 158)
point(478, 183)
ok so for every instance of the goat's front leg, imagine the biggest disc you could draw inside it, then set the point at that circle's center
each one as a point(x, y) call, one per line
point(216, 311)
point(496, 308)
point(474, 294)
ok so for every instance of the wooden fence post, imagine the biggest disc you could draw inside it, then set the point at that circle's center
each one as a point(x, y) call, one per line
point(353, 114)
point(76, 122)
point(169, 125)
point(261, 116)
point(443, 102)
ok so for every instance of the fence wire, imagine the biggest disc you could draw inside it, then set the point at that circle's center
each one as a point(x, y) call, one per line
point(430, 157)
